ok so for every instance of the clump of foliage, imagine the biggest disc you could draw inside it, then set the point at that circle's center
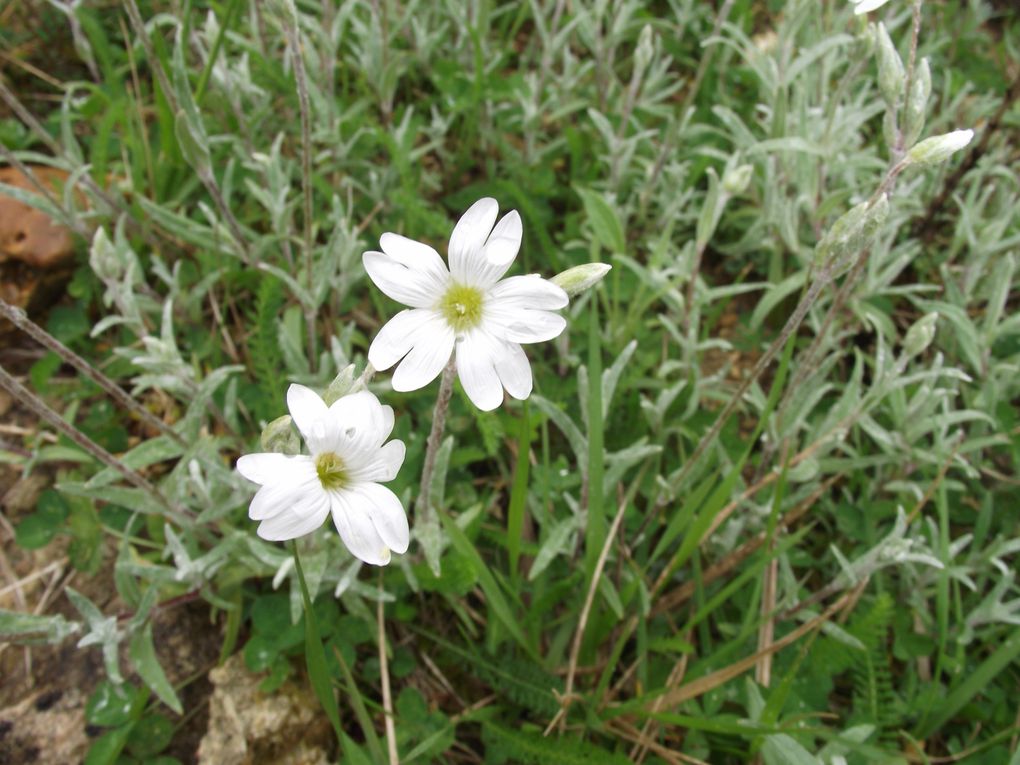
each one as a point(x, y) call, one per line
point(759, 505)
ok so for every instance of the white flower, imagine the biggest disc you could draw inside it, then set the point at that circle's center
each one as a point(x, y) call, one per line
point(347, 459)
point(468, 307)
point(866, 6)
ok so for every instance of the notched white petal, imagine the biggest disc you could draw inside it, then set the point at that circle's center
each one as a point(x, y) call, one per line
point(306, 408)
point(267, 467)
point(357, 530)
point(469, 235)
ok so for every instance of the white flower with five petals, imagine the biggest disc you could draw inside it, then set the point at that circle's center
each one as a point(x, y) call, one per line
point(468, 308)
point(341, 475)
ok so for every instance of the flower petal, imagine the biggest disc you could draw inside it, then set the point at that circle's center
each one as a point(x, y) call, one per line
point(532, 326)
point(268, 467)
point(433, 344)
point(386, 512)
point(476, 354)
point(469, 236)
point(357, 530)
point(304, 515)
point(394, 340)
point(528, 292)
point(514, 371)
point(416, 285)
point(504, 241)
point(486, 267)
point(362, 423)
point(384, 464)
point(308, 411)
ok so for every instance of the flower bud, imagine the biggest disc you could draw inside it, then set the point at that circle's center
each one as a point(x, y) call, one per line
point(851, 234)
point(939, 148)
point(341, 385)
point(917, 102)
point(891, 76)
point(579, 279)
point(279, 436)
point(736, 179)
point(920, 335)
point(866, 6)
point(645, 50)
point(103, 257)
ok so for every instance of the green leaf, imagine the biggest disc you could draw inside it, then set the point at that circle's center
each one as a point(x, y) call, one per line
point(39, 529)
point(107, 748)
point(497, 602)
point(150, 736)
point(780, 749)
point(315, 656)
point(143, 655)
point(605, 223)
point(518, 493)
point(110, 705)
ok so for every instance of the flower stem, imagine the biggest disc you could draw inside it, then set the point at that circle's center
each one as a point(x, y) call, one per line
point(384, 679)
point(435, 435)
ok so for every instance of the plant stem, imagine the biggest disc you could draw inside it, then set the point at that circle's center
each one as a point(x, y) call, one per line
point(435, 435)
point(384, 679)
point(18, 318)
point(294, 43)
point(28, 399)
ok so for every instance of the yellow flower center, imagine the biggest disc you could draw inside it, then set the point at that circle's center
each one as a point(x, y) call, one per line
point(461, 306)
point(331, 470)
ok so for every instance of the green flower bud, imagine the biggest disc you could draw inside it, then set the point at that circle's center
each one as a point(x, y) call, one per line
point(579, 279)
point(341, 385)
point(917, 102)
point(850, 235)
point(939, 148)
point(279, 436)
point(645, 50)
point(891, 75)
point(736, 179)
point(920, 335)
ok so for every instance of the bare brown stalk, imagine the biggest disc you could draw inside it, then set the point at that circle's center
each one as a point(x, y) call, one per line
point(294, 43)
point(29, 400)
point(205, 175)
point(702, 685)
point(384, 679)
point(582, 622)
point(19, 319)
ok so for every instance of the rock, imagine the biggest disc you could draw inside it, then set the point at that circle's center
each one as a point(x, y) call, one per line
point(28, 234)
point(247, 727)
point(45, 727)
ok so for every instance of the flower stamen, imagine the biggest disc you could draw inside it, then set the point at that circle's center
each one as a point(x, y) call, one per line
point(461, 306)
point(331, 471)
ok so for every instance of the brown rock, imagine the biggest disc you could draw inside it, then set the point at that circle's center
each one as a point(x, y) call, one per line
point(47, 727)
point(247, 727)
point(28, 234)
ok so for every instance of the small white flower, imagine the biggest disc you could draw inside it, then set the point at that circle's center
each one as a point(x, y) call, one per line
point(347, 459)
point(469, 307)
point(866, 6)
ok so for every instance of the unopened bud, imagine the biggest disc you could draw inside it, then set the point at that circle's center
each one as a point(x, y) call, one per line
point(866, 6)
point(736, 179)
point(917, 102)
point(920, 335)
point(341, 385)
point(939, 148)
point(579, 279)
point(279, 436)
point(103, 257)
point(645, 50)
point(891, 76)
point(850, 235)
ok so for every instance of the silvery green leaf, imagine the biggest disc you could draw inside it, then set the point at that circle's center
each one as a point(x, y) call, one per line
point(604, 220)
point(558, 542)
point(578, 442)
point(102, 632)
point(891, 74)
point(22, 628)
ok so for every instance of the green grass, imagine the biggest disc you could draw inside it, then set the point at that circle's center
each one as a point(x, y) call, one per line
point(620, 131)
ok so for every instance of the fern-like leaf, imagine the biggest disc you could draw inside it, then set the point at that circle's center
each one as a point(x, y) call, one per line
point(530, 747)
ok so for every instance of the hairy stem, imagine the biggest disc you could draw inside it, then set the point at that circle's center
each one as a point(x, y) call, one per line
point(30, 401)
point(435, 435)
